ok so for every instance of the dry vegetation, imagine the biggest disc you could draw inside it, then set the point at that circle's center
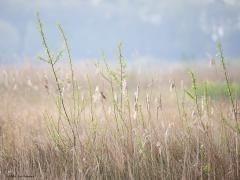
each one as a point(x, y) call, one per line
point(100, 122)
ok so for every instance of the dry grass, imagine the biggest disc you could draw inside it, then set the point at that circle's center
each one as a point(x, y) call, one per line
point(98, 122)
point(150, 137)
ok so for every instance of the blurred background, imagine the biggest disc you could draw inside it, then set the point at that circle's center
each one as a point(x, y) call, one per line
point(158, 30)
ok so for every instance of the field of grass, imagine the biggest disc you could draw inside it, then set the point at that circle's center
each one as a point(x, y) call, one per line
point(66, 121)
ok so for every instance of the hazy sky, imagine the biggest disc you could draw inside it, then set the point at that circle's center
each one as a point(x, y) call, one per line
point(160, 29)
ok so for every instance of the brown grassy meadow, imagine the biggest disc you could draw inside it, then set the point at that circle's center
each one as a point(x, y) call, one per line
point(157, 133)
point(62, 121)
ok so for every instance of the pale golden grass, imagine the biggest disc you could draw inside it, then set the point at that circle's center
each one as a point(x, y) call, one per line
point(157, 134)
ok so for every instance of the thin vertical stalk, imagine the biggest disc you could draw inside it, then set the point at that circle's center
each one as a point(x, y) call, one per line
point(52, 63)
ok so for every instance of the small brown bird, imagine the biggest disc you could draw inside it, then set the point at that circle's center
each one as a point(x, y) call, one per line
point(103, 96)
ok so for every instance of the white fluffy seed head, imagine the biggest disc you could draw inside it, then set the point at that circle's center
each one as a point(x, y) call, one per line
point(96, 95)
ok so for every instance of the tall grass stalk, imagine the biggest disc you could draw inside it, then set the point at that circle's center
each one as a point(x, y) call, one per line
point(71, 66)
point(234, 108)
point(230, 93)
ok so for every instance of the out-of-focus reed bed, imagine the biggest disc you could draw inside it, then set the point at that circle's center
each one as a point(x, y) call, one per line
point(154, 132)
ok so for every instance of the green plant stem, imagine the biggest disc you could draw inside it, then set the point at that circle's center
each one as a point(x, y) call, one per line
point(51, 62)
